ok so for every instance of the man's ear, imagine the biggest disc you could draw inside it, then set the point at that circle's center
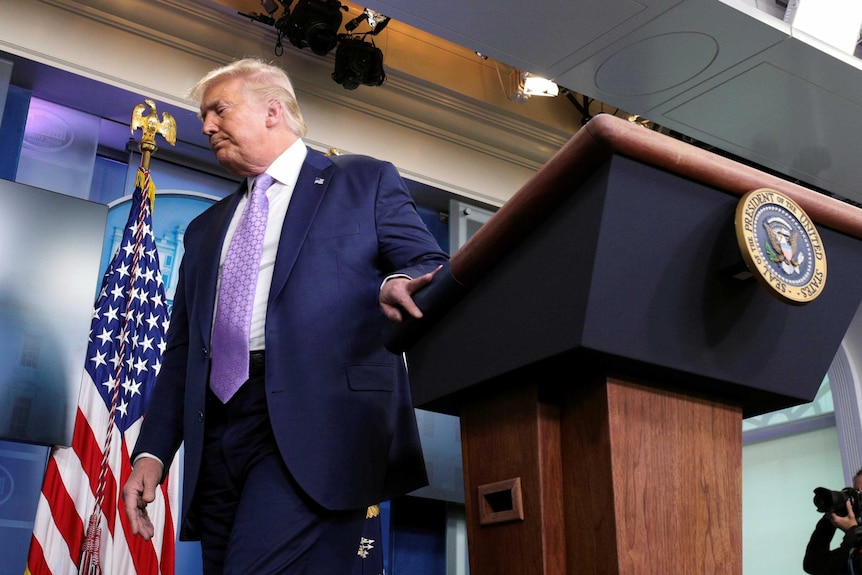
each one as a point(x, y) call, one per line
point(274, 113)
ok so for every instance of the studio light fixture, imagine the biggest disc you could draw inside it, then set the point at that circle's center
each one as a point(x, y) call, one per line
point(315, 24)
point(358, 62)
point(312, 24)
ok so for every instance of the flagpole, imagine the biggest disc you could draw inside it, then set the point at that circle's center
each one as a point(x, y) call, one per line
point(90, 563)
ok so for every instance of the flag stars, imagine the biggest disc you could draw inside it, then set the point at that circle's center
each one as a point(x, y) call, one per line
point(111, 314)
point(126, 334)
point(98, 359)
point(142, 296)
point(132, 387)
point(109, 384)
point(146, 344)
point(105, 336)
point(140, 365)
point(152, 321)
point(117, 292)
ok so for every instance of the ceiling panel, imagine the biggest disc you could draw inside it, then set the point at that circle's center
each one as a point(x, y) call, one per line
point(719, 71)
point(772, 111)
point(540, 37)
point(671, 54)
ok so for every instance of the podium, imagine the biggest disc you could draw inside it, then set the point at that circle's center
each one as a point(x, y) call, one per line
point(601, 351)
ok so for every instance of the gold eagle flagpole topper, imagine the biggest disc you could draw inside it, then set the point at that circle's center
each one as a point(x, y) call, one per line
point(151, 125)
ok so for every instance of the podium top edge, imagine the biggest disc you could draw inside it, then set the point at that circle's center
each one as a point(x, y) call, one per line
point(717, 171)
point(590, 147)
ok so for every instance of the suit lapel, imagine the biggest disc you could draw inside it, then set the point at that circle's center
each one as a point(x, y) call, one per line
point(311, 186)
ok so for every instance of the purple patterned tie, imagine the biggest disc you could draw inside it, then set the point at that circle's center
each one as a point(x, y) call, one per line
point(236, 295)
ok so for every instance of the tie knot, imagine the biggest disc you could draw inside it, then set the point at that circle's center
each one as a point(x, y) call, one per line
point(262, 182)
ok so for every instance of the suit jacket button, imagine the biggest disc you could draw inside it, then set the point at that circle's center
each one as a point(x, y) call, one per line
point(200, 416)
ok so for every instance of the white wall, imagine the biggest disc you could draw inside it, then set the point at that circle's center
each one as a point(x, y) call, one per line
point(778, 514)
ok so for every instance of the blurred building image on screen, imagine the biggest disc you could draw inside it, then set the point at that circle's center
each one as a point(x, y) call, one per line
point(50, 247)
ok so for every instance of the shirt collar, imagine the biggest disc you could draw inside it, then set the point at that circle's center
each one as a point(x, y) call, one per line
point(287, 165)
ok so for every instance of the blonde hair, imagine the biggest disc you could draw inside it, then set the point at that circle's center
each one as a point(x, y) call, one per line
point(265, 81)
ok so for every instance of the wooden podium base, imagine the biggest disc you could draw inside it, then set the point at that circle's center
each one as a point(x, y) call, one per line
point(613, 478)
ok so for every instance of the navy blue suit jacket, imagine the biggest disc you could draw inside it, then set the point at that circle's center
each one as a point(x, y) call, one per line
point(339, 402)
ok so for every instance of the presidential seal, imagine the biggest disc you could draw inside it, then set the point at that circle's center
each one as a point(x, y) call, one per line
point(781, 246)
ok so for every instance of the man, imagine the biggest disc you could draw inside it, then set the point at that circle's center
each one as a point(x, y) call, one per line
point(819, 558)
point(278, 474)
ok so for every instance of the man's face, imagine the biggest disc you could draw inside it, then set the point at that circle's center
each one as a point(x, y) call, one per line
point(857, 484)
point(236, 125)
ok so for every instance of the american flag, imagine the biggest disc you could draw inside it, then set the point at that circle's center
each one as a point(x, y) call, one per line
point(81, 526)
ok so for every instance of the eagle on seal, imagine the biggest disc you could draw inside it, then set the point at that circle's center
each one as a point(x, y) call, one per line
point(784, 246)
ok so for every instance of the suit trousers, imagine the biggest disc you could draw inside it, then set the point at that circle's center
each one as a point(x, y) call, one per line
point(252, 515)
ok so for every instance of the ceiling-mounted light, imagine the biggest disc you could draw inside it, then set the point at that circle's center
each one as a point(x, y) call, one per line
point(536, 86)
point(312, 24)
point(358, 62)
point(315, 24)
point(525, 85)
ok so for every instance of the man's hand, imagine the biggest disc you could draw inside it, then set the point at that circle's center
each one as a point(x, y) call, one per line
point(396, 296)
point(844, 523)
point(139, 490)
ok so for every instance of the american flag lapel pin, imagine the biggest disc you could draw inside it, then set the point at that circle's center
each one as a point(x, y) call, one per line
point(318, 181)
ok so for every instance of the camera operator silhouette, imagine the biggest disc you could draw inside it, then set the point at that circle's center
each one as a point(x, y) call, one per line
point(843, 514)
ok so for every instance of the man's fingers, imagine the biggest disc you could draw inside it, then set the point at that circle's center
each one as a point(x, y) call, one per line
point(396, 297)
point(139, 490)
point(139, 519)
point(425, 279)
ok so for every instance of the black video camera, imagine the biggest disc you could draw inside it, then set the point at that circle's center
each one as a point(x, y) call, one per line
point(828, 501)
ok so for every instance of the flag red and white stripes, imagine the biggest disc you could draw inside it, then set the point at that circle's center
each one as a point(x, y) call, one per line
point(80, 524)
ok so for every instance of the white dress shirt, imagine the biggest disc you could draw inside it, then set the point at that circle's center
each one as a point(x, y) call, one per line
point(285, 169)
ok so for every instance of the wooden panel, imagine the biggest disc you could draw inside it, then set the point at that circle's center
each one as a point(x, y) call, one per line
point(508, 437)
point(652, 482)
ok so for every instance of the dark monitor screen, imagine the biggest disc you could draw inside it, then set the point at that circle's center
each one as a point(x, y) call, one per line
point(50, 249)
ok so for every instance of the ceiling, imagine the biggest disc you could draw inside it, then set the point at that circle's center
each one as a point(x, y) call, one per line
point(427, 77)
point(721, 72)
